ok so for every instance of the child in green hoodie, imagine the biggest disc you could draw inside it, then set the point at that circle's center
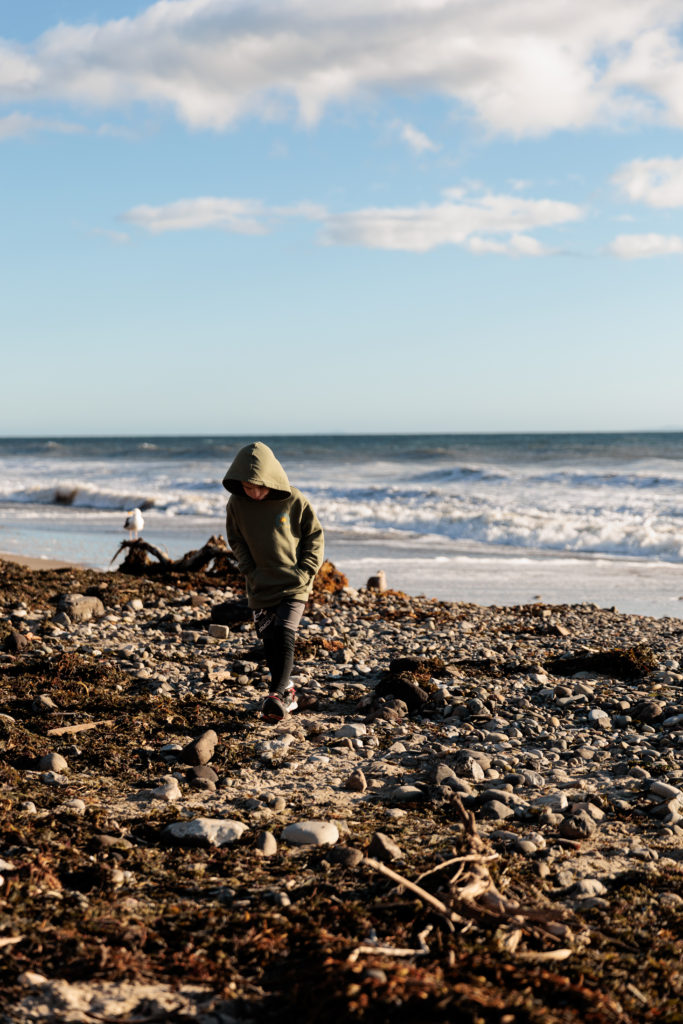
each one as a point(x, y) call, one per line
point(278, 543)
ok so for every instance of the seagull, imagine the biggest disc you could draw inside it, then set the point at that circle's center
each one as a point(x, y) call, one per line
point(134, 523)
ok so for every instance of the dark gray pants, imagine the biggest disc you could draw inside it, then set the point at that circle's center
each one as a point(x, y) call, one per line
point(277, 627)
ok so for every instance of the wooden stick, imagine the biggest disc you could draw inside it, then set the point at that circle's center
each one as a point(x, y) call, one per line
point(477, 858)
point(395, 877)
point(65, 730)
point(393, 950)
point(541, 958)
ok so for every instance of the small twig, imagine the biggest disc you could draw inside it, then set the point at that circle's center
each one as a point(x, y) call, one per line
point(70, 729)
point(540, 958)
point(466, 858)
point(384, 951)
point(637, 993)
point(393, 950)
point(10, 940)
point(418, 890)
point(457, 875)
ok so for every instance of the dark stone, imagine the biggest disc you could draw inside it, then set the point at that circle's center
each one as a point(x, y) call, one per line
point(647, 711)
point(442, 773)
point(497, 810)
point(383, 848)
point(207, 785)
point(201, 750)
point(15, 641)
point(201, 771)
point(347, 856)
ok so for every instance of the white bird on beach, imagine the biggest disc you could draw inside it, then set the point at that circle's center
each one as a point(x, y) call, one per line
point(134, 524)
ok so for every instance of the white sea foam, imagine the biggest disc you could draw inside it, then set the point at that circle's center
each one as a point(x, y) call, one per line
point(588, 506)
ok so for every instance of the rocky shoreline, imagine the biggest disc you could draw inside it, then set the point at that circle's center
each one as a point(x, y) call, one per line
point(476, 812)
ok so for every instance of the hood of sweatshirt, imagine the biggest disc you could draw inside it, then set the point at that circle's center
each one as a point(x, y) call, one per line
point(256, 464)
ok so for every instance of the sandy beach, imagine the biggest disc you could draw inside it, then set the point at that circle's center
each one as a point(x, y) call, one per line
point(31, 562)
point(475, 812)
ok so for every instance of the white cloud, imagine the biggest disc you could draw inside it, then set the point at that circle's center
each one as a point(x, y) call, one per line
point(240, 216)
point(488, 223)
point(657, 182)
point(118, 237)
point(417, 140)
point(523, 68)
point(639, 247)
point(16, 125)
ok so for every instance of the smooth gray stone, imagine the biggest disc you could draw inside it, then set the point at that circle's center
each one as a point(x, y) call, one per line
point(202, 771)
point(405, 794)
point(205, 831)
point(443, 772)
point(663, 789)
point(525, 846)
point(351, 731)
point(275, 802)
point(53, 763)
point(460, 786)
point(311, 833)
point(589, 887)
point(497, 810)
point(356, 782)
point(168, 791)
point(266, 844)
point(553, 801)
point(54, 779)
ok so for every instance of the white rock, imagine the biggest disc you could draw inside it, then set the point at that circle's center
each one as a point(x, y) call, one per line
point(218, 631)
point(214, 831)
point(405, 794)
point(169, 791)
point(76, 806)
point(311, 833)
point(53, 763)
point(352, 730)
point(555, 801)
point(32, 979)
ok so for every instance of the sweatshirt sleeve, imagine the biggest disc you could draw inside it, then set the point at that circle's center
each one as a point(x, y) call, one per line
point(237, 542)
point(312, 543)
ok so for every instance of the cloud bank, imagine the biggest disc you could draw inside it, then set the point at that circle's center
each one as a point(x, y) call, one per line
point(17, 125)
point(527, 68)
point(489, 223)
point(639, 247)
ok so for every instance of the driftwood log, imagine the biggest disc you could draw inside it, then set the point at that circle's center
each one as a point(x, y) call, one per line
point(214, 556)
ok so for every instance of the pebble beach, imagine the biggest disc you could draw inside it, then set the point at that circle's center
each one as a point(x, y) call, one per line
point(476, 812)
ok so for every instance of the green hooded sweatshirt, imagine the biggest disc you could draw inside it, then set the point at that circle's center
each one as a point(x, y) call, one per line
point(278, 542)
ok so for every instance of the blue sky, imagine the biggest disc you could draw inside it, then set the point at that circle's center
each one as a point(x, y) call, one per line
point(309, 217)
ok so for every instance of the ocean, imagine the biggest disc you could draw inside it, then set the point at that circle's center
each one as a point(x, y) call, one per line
point(493, 519)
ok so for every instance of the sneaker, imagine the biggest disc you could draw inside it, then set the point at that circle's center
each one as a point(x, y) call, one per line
point(278, 705)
